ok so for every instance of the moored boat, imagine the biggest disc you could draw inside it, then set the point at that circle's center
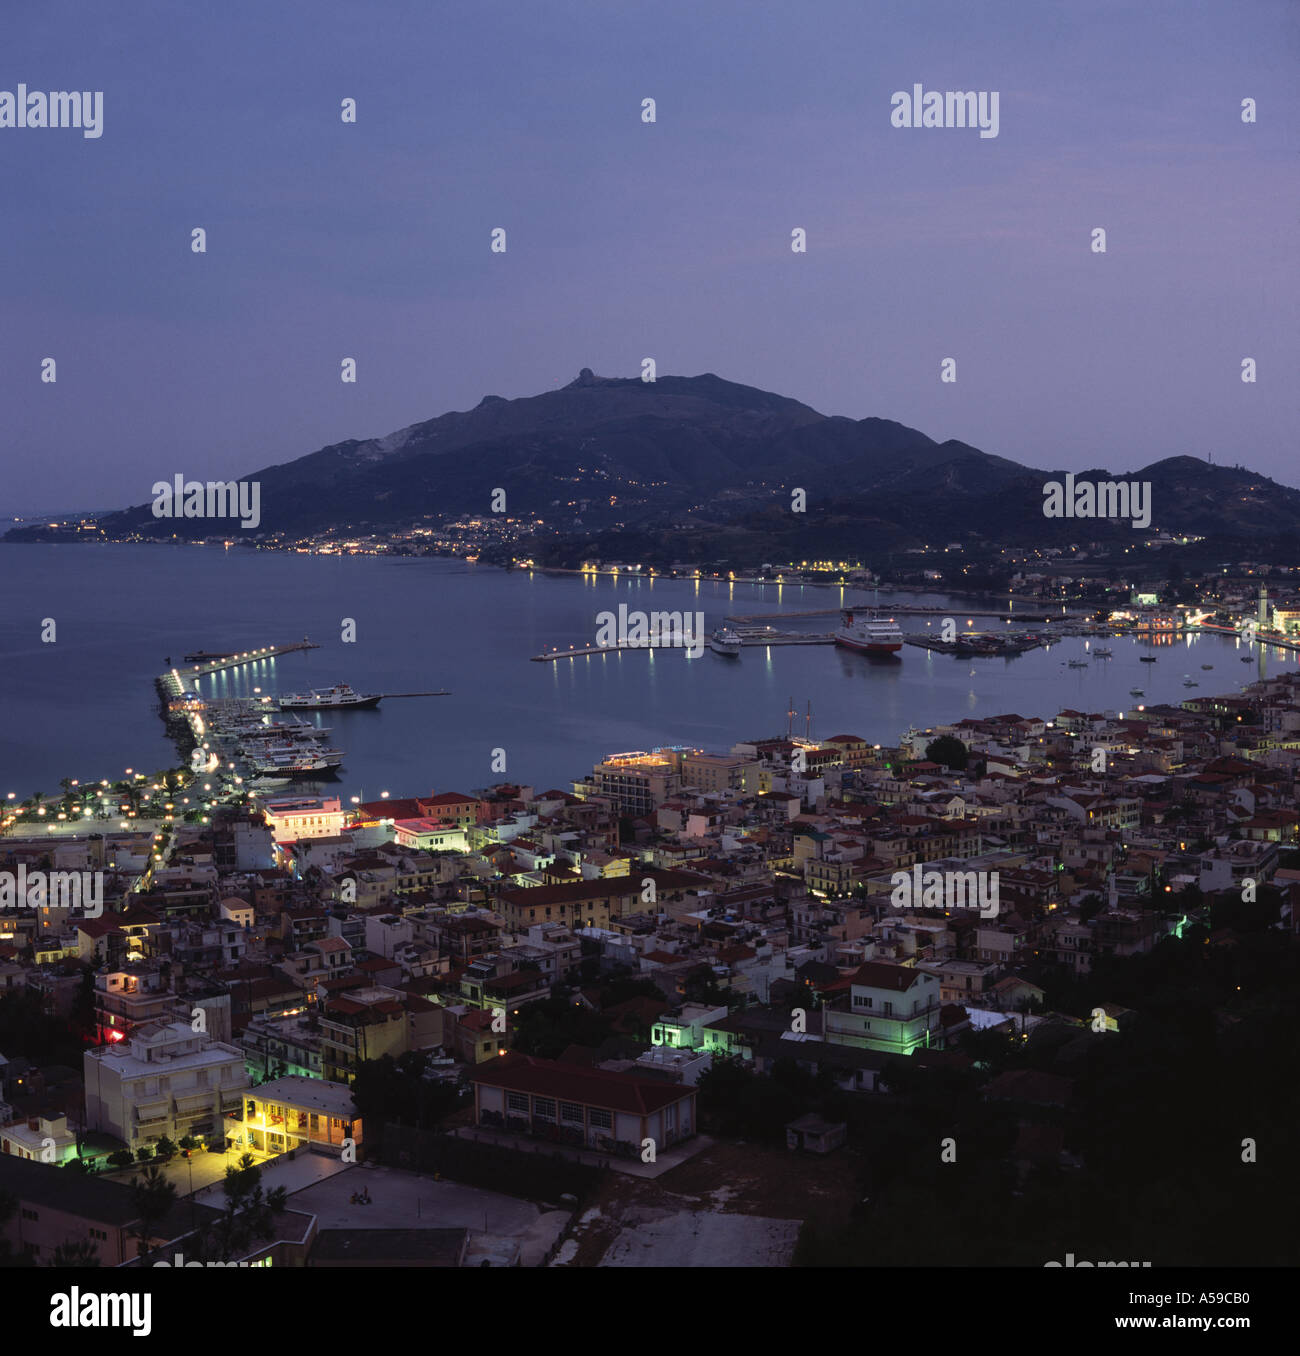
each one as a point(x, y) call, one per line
point(868, 634)
point(336, 698)
point(725, 641)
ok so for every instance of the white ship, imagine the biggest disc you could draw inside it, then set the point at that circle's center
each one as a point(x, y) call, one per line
point(868, 634)
point(301, 763)
point(725, 641)
point(329, 699)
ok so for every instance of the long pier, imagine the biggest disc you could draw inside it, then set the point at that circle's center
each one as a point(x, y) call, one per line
point(749, 635)
point(750, 617)
point(238, 657)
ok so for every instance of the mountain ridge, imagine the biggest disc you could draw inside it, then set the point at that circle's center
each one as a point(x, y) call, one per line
point(602, 453)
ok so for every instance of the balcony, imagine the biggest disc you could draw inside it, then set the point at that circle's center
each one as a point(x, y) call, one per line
point(903, 1018)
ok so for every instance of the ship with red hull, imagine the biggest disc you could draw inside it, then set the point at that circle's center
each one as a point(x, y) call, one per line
point(868, 634)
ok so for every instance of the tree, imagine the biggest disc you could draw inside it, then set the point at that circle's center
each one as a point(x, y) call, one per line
point(80, 1253)
point(248, 1216)
point(8, 1205)
point(1090, 906)
point(165, 1149)
point(948, 751)
point(81, 1016)
point(152, 1197)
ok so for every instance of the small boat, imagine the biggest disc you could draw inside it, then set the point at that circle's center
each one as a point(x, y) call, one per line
point(1147, 659)
point(1246, 659)
point(1136, 692)
point(1102, 654)
point(1190, 682)
point(725, 641)
point(1207, 666)
point(1077, 664)
point(207, 656)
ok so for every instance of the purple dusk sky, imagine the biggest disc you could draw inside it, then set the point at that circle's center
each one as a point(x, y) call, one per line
point(628, 240)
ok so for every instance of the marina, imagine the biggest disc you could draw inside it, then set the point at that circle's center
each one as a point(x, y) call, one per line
point(257, 753)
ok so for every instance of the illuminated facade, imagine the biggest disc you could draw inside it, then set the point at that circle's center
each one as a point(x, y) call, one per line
point(889, 1007)
point(293, 1113)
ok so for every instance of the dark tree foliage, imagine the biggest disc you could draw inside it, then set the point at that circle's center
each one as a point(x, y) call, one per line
point(247, 1217)
point(1177, 1132)
point(948, 751)
point(393, 1090)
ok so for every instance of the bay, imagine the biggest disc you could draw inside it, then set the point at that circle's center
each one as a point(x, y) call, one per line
point(85, 706)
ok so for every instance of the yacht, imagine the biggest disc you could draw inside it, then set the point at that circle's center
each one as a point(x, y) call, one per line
point(868, 634)
point(334, 698)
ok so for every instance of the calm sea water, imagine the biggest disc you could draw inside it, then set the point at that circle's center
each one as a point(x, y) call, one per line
point(85, 706)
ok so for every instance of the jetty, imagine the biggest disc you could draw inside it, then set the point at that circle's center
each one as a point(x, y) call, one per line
point(749, 635)
point(1023, 616)
point(234, 659)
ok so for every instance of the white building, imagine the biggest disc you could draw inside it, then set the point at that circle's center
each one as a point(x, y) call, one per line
point(305, 817)
point(237, 911)
point(43, 1139)
point(891, 1007)
point(166, 1079)
point(388, 933)
point(684, 1028)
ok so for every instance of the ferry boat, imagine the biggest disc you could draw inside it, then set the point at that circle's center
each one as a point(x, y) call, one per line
point(329, 699)
point(725, 641)
point(302, 763)
point(867, 634)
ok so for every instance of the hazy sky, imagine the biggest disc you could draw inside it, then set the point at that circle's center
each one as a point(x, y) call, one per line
point(627, 240)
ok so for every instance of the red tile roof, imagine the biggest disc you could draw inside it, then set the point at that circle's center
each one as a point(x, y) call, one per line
point(884, 975)
point(571, 1083)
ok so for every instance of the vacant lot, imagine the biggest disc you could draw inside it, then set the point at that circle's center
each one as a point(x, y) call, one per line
point(733, 1205)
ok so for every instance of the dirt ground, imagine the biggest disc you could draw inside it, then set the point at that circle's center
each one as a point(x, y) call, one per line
point(728, 1179)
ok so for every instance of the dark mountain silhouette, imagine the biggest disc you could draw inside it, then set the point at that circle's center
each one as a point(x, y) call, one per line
point(607, 453)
